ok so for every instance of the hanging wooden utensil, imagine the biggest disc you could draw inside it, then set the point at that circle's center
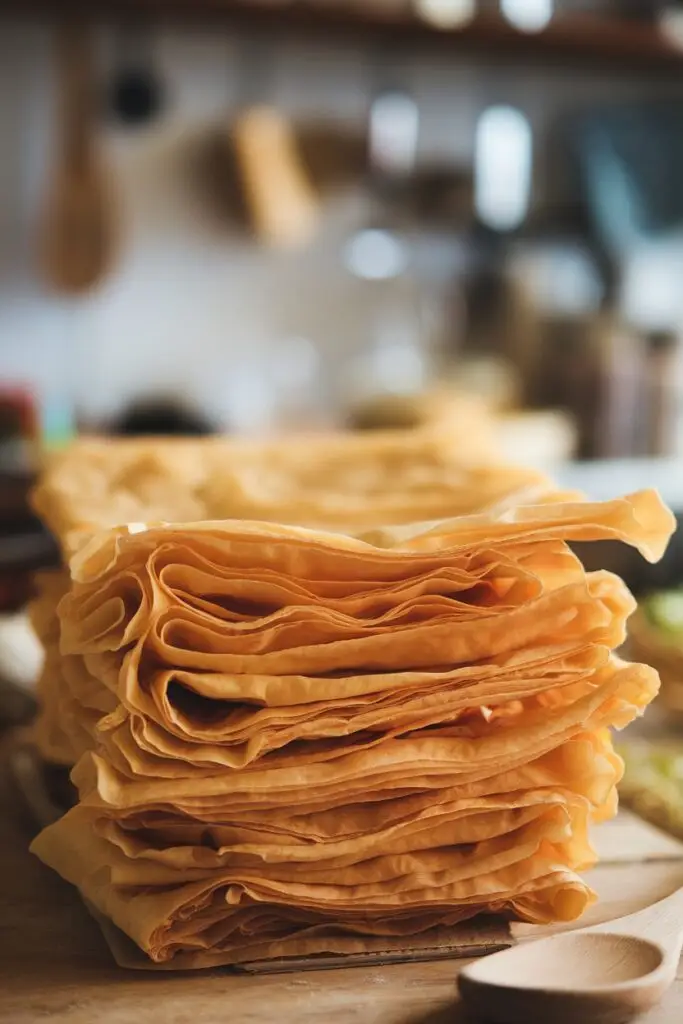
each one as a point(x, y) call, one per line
point(76, 245)
point(279, 197)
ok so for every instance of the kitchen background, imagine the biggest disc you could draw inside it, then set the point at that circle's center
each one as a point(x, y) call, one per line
point(259, 215)
point(463, 186)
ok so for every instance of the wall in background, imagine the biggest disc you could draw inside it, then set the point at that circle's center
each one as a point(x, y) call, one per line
point(189, 307)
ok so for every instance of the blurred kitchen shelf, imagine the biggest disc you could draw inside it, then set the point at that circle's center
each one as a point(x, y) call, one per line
point(621, 45)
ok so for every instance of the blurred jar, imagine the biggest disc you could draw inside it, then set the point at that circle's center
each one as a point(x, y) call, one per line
point(393, 359)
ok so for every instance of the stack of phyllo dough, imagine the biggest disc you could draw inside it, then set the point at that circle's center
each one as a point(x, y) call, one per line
point(342, 482)
point(294, 740)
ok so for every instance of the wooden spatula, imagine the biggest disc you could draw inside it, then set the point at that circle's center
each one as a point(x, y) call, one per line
point(76, 244)
point(606, 974)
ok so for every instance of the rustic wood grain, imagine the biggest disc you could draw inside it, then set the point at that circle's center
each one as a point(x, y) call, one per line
point(55, 966)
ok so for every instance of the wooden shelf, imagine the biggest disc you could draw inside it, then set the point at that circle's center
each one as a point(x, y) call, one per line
point(573, 39)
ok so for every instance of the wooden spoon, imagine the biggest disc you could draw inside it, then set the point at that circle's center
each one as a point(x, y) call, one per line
point(606, 974)
point(77, 231)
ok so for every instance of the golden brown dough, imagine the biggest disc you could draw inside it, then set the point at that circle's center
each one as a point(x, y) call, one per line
point(293, 739)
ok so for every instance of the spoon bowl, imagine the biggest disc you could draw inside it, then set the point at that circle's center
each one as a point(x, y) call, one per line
point(566, 979)
point(607, 974)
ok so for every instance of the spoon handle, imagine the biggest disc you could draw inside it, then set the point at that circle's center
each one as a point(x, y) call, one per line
point(661, 923)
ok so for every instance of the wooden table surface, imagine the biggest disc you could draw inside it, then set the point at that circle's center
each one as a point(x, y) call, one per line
point(55, 967)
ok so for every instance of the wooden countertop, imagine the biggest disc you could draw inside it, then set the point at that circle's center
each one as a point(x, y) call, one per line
point(55, 967)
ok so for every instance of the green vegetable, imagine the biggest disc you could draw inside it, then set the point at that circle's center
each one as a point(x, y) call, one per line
point(653, 784)
point(665, 611)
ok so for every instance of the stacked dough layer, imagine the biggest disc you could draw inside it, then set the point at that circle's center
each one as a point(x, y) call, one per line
point(340, 482)
point(292, 740)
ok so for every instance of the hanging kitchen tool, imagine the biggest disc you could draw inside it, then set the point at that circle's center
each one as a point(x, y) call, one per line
point(136, 92)
point(281, 202)
point(76, 245)
point(279, 197)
